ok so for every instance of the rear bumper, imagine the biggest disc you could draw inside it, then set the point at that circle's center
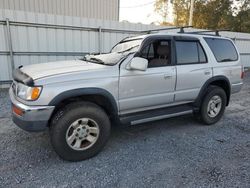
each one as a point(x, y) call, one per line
point(32, 118)
point(235, 88)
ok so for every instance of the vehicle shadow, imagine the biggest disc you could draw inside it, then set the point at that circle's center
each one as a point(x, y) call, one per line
point(38, 145)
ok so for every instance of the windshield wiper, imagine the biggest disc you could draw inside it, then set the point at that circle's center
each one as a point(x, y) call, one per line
point(97, 60)
point(128, 49)
point(92, 60)
point(84, 59)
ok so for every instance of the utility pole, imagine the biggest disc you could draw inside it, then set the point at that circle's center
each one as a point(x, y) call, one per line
point(191, 13)
point(166, 13)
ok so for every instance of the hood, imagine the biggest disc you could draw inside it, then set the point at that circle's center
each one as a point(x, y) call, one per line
point(42, 70)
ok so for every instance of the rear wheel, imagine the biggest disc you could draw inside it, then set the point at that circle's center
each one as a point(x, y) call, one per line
point(213, 105)
point(79, 131)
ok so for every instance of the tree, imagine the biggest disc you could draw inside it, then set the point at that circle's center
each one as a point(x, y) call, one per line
point(241, 21)
point(209, 14)
point(162, 8)
point(180, 10)
point(213, 14)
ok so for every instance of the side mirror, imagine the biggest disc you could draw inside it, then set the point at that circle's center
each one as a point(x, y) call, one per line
point(138, 63)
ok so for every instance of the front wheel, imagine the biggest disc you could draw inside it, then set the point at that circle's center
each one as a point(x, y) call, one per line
point(79, 131)
point(213, 105)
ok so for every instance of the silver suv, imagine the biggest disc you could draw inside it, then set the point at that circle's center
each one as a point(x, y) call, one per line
point(142, 79)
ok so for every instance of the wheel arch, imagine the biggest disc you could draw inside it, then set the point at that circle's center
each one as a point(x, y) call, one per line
point(99, 96)
point(220, 81)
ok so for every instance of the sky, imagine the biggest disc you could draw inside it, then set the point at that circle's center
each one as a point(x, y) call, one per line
point(139, 11)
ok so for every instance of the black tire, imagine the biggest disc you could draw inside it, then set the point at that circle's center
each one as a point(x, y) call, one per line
point(203, 113)
point(65, 117)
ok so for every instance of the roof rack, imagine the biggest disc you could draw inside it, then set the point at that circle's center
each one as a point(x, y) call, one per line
point(168, 28)
point(208, 31)
point(202, 32)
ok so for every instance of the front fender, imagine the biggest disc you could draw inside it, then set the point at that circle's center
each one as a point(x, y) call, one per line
point(82, 92)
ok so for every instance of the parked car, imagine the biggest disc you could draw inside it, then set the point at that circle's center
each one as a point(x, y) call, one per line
point(144, 78)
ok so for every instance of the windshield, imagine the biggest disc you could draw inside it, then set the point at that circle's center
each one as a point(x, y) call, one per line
point(127, 45)
point(119, 51)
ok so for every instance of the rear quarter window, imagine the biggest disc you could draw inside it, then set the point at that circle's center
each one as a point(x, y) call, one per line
point(223, 49)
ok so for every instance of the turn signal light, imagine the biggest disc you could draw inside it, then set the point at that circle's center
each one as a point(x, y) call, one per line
point(35, 93)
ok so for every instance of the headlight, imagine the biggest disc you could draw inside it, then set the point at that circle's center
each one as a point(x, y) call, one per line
point(28, 93)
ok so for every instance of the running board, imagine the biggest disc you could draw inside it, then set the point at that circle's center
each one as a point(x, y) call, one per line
point(160, 117)
point(154, 115)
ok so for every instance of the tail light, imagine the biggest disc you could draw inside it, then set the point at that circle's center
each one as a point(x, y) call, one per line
point(242, 75)
point(242, 72)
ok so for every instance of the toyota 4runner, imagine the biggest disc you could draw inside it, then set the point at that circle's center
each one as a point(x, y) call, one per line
point(142, 79)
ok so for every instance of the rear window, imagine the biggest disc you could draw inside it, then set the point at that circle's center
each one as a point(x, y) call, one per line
point(223, 50)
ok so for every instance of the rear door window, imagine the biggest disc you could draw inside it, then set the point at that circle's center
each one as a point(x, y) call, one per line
point(189, 52)
point(223, 49)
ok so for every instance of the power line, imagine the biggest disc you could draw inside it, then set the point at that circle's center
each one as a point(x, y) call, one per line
point(141, 5)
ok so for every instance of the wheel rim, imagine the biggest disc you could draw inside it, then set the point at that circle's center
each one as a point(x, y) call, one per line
point(214, 106)
point(82, 134)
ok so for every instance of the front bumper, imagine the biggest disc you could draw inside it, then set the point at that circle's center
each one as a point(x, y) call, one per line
point(32, 118)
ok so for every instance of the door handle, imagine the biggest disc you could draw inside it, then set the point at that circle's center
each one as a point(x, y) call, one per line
point(167, 76)
point(207, 72)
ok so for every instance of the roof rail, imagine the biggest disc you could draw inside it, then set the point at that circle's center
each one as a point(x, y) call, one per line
point(168, 28)
point(208, 31)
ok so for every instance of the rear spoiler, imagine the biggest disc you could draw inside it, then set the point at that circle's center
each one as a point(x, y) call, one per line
point(20, 76)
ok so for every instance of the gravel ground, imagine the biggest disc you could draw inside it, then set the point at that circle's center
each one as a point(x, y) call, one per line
point(177, 152)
